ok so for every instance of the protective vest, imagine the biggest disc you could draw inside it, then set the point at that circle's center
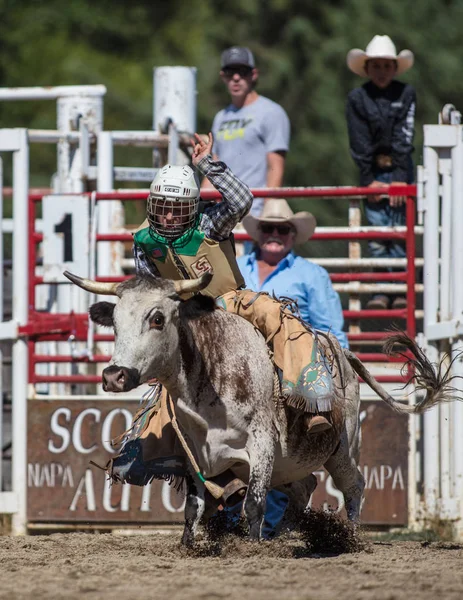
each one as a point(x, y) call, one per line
point(191, 257)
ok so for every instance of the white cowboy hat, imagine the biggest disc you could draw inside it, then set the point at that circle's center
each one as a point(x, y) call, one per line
point(381, 46)
point(276, 210)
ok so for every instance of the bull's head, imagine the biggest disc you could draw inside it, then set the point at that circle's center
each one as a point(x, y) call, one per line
point(145, 322)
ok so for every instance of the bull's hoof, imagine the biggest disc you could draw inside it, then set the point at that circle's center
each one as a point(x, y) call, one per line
point(255, 532)
point(188, 540)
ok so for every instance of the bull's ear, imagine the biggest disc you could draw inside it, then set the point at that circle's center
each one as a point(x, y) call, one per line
point(196, 307)
point(102, 313)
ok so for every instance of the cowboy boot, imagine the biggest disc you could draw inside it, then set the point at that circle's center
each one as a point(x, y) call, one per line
point(234, 489)
point(129, 466)
point(317, 423)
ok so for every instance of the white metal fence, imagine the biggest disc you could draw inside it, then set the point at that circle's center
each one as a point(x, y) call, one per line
point(441, 180)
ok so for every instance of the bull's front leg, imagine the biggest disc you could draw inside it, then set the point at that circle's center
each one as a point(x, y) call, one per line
point(260, 474)
point(194, 508)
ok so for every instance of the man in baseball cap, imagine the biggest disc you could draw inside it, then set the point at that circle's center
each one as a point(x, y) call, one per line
point(251, 135)
point(237, 55)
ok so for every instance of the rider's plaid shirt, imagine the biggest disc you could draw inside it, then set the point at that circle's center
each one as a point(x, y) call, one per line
point(217, 221)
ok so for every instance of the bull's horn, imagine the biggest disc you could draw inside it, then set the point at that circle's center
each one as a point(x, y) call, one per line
point(191, 286)
point(95, 287)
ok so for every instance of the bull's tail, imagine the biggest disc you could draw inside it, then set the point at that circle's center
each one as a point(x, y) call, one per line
point(424, 375)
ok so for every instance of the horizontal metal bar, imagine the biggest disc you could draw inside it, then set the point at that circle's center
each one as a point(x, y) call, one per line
point(78, 337)
point(89, 397)
point(375, 314)
point(50, 93)
point(143, 139)
point(8, 191)
point(378, 357)
point(360, 235)
point(140, 138)
point(364, 228)
point(90, 379)
point(45, 358)
point(53, 136)
point(372, 288)
point(284, 192)
point(134, 174)
point(390, 379)
point(368, 336)
point(7, 225)
point(364, 262)
point(443, 330)
point(344, 277)
point(114, 237)
point(341, 235)
point(323, 192)
point(132, 195)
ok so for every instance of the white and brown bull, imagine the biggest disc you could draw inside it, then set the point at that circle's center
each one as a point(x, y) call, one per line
point(217, 369)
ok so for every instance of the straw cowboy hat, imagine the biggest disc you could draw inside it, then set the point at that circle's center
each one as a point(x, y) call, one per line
point(381, 46)
point(276, 210)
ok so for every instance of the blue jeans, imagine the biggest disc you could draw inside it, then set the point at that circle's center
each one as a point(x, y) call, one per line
point(380, 214)
point(276, 505)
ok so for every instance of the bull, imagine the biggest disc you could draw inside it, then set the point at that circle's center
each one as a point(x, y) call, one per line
point(220, 376)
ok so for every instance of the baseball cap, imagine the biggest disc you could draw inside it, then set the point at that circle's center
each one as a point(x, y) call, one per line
point(237, 55)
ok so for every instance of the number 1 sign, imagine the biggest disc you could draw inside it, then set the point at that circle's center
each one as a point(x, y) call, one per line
point(66, 227)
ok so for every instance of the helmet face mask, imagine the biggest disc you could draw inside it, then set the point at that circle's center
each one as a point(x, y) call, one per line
point(173, 201)
point(171, 217)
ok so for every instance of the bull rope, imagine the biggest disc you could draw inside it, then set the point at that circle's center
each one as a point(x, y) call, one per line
point(215, 490)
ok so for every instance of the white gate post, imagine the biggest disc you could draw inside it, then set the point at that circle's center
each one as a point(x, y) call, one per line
point(20, 314)
point(443, 314)
point(174, 106)
point(457, 316)
point(105, 183)
point(71, 110)
point(430, 301)
point(174, 98)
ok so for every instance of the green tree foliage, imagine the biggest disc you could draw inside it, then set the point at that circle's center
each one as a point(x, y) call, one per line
point(300, 48)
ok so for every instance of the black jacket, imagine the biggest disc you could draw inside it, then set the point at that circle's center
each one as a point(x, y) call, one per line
point(381, 121)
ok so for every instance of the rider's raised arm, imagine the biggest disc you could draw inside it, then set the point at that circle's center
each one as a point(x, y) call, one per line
point(219, 220)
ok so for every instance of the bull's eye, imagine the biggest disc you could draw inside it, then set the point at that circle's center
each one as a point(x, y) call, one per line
point(157, 320)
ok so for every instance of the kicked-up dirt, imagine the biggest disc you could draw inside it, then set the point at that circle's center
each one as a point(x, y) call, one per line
point(294, 566)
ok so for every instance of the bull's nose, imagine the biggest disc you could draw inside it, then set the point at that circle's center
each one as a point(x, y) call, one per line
point(119, 379)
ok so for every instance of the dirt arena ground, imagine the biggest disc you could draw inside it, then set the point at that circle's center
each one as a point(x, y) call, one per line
point(108, 566)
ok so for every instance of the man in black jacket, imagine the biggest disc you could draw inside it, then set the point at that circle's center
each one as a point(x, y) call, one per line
point(380, 120)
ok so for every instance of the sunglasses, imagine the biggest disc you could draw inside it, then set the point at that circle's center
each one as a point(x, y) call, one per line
point(270, 228)
point(242, 71)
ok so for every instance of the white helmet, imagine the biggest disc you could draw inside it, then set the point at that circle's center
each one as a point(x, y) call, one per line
point(174, 193)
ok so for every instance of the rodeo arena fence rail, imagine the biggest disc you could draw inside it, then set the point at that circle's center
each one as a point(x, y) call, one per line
point(54, 416)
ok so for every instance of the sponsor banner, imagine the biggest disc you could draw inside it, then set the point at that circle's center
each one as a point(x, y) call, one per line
point(62, 484)
point(63, 437)
point(384, 465)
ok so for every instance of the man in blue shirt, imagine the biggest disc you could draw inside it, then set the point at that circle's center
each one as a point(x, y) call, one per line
point(274, 267)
